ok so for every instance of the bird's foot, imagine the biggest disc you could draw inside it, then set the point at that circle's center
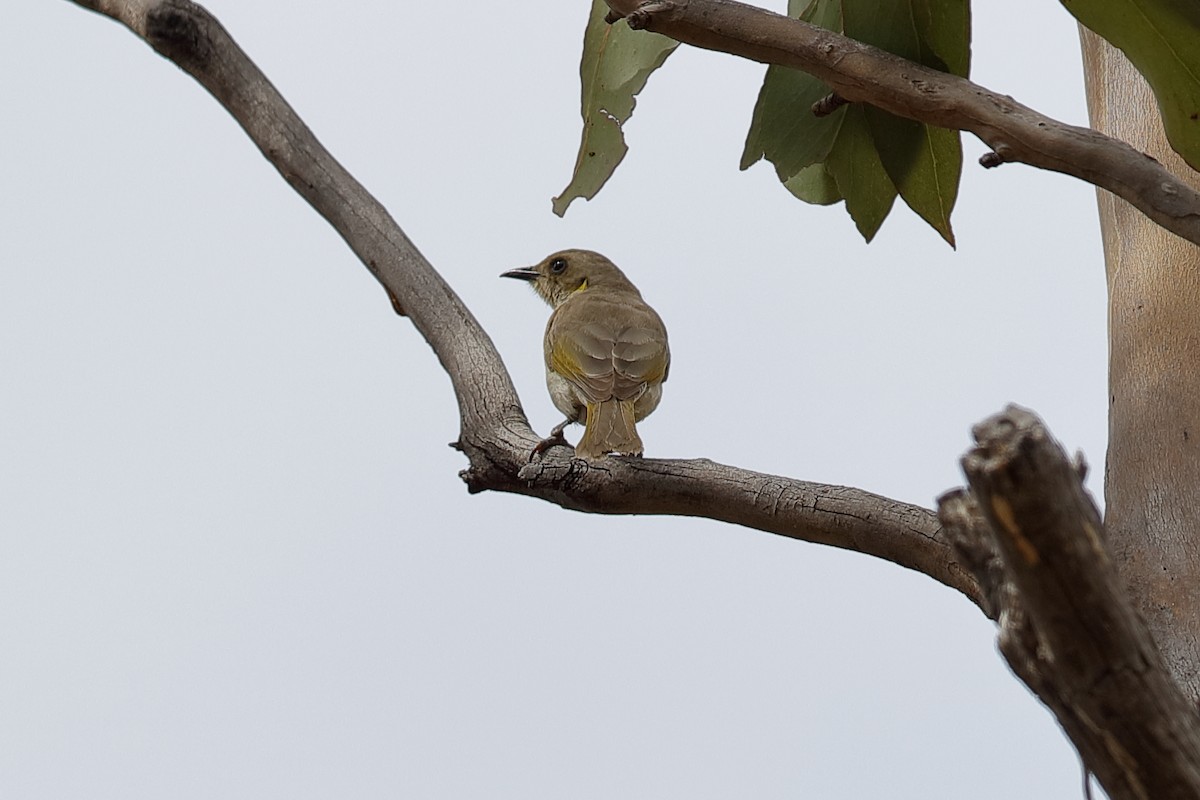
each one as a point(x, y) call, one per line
point(555, 438)
point(546, 444)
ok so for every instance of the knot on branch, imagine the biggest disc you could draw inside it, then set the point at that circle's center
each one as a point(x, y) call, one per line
point(176, 29)
point(1000, 155)
point(828, 104)
point(644, 15)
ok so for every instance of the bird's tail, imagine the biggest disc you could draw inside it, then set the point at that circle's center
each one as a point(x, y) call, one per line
point(609, 429)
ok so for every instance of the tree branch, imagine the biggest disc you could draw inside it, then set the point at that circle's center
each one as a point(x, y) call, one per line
point(495, 434)
point(861, 73)
point(1034, 538)
point(840, 516)
point(1027, 546)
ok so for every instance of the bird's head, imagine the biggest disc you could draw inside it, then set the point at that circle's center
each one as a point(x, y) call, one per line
point(562, 274)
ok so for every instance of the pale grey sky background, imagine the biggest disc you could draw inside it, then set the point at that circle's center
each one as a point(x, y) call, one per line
point(236, 560)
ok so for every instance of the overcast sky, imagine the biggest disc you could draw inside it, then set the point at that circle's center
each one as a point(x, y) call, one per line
point(236, 559)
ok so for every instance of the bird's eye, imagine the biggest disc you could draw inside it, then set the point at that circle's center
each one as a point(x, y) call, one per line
point(558, 265)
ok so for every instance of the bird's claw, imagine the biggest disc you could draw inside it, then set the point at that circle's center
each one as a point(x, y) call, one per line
point(553, 440)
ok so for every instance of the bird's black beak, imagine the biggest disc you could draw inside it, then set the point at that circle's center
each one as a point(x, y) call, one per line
point(524, 273)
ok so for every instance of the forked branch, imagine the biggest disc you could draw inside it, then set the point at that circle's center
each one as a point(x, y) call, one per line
point(861, 73)
point(1034, 538)
point(495, 434)
point(1033, 541)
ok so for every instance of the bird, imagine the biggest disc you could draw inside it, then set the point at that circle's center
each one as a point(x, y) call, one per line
point(605, 349)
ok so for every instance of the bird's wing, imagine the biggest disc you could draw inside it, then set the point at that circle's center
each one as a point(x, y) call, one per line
point(640, 357)
point(583, 355)
point(605, 358)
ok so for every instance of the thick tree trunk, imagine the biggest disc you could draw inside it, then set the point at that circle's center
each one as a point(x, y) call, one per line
point(1025, 542)
point(1152, 480)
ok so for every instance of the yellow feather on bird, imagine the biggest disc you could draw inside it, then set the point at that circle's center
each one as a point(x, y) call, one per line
point(605, 349)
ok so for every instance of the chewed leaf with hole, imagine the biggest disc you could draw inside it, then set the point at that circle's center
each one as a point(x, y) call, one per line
point(616, 64)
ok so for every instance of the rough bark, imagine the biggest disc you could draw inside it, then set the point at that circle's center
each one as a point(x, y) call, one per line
point(495, 434)
point(1153, 471)
point(862, 73)
point(1034, 556)
point(1068, 628)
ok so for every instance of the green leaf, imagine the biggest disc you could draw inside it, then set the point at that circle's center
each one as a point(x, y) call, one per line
point(923, 162)
point(855, 166)
point(944, 29)
point(815, 185)
point(616, 64)
point(858, 153)
point(783, 129)
point(935, 33)
point(1162, 39)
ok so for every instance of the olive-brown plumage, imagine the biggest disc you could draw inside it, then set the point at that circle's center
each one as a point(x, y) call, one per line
point(605, 349)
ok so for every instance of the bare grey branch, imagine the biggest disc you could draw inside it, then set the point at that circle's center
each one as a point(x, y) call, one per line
point(495, 434)
point(860, 73)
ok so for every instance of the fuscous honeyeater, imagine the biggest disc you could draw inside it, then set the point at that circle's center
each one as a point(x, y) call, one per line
point(606, 350)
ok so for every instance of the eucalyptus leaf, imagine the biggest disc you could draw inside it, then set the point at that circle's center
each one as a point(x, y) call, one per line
point(858, 153)
point(815, 185)
point(1162, 39)
point(855, 166)
point(616, 64)
point(783, 129)
point(923, 162)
